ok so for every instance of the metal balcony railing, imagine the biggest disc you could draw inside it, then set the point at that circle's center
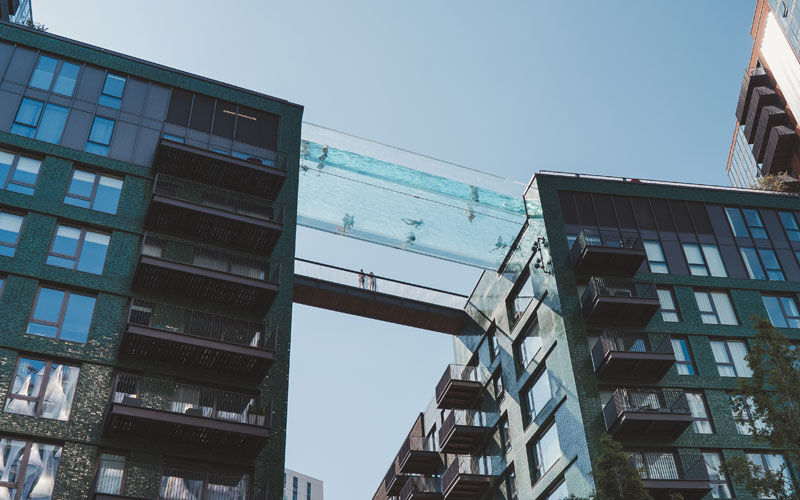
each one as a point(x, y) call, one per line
point(420, 484)
point(651, 401)
point(466, 373)
point(193, 400)
point(216, 197)
point(176, 319)
point(624, 341)
point(470, 418)
point(477, 466)
point(389, 480)
point(209, 257)
point(664, 466)
point(142, 480)
point(618, 288)
point(611, 238)
point(416, 443)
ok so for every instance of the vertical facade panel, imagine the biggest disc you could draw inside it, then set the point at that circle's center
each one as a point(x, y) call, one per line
point(21, 66)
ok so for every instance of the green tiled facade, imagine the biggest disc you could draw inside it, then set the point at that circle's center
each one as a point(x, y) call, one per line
point(82, 436)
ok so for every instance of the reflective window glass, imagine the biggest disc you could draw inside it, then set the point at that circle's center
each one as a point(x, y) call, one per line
point(100, 136)
point(113, 88)
point(79, 249)
point(42, 389)
point(98, 192)
point(42, 75)
point(61, 314)
point(683, 357)
point(655, 256)
point(10, 225)
point(790, 225)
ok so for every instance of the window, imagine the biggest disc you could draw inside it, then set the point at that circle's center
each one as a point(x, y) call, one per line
point(520, 297)
point(65, 73)
point(782, 311)
point(655, 256)
point(79, 249)
point(10, 224)
point(61, 315)
point(494, 346)
point(538, 395)
point(559, 493)
point(773, 463)
point(95, 191)
point(39, 121)
point(195, 481)
point(100, 136)
point(715, 308)
point(526, 346)
point(752, 263)
point(505, 436)
point(753, 259)
point(308, 491)
point(294, 488)
point(110, 472)
point(744, 414)
point(737, 222)
point(111, 97)
point(28, 469)
point(704, 260)
point(18, 173)
point(719, 485)
point(42, 389)
point(683, 356)
point(699, 410)
point(546, 452)
point(790, 225)
point(729, 356)
point(669, 311)
point(497, 385)
point(754, 224)
point(511, 485)
point(655, 465)
point(771, 264)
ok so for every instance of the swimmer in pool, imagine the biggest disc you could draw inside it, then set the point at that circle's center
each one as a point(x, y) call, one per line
point(322, 159)
point(499, 245)
point(415, 223)
point(470, 213)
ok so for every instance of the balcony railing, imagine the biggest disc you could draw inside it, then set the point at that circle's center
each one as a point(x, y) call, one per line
point(418, 455)
point(421, 487)
point(619, 301)
point(620, 354)
point(652, 414)
point(117, 479)
point(463, 431)
point(607, 251)
point(664, 475)
point(470, 477)
point(460, 385)
point(394, 480)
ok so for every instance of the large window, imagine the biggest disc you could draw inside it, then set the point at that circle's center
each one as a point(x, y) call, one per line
point(100, 136)
point(669, 309)
point(79, 249)
point(683, 356)
point(782, 311)
point(729, 356)
point(520, 297)
point(494, 346)
point(790, 225)
point(10, 225)
point(699, 410)
point(114, 86)
point(62, 315)
point(655, 256)
point(537, 395)
point(719, 485)
point(761, 264)
point(704, 260)
point(526, 346)
point(110, 474)
point(95, 191)
point(497, 385)
point(28, 470)
point(56, 75)
point(773, 463)
point(749, 225)
point(18, 173)
point(715, 308)
point(41, 121)
point(42, 389)
point(744, 414)
point(545, 452)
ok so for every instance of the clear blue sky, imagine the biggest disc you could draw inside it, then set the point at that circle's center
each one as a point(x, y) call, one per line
point(631, 88)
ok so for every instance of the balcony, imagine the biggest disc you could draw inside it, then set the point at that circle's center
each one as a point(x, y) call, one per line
point(463, 432)
point(187, 415)
point(631, 356)
point(257, 177)
point(760, 98)
point(607, 252)
point(213, 215)
point(186, 268)
point(394, 480)
point(461, 386)
point(779, 150)
point(663, 475)
point(619, 302)
point(177, 336)
point(647, 414)
point(468, 478)
point(422, 488)
point(418, 455)
point(134, 481)
point(771, 117)
point(753, 77)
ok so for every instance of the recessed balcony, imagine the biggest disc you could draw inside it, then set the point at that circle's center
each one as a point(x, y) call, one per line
point(464, 432)
point(192, 416)
point(621, 355)
point(664, 475)
point(619, 302)
point(468, 478)
point(647, 414)
point(178, 336)
point(607, 252)
point(422, 488)
point(256, 176)
point(214, 215)
point(182, 267)
point(461, 386)
point(394, 480)
point(418, 455)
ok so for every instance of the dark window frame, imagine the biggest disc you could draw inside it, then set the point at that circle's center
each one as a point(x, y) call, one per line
point(707, 418)
point(725, 481)
point(660, 262)
point(714, 310)
point(23, 464)
point(78, 250)
point(514, 315)
point(38, 400)
point(498, 386)
point(117, 100)
point(19, 233)
point(118, 453)
point(13, 169)
point(728, 352)
point(64, 304)
point(56, 73)
point(790, 231)
point(95, 185)
point(690, 363)
point(786, 316)
point(676, 309)
point(38, 124)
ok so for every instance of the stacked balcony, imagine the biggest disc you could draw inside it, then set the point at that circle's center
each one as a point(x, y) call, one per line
point(461, 386)
point(607, 252)
point(464, 432)
point(187, 415)
point(418, 455)
point(663, 475)
point(619, 301)
point(469, 478)
point(422, 488)
point(632, 356)
point(394, 480)
point(179, 336)
point(652, 414)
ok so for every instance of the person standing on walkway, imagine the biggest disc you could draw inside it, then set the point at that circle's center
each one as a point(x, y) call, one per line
point(361, 278)
point(372, 285)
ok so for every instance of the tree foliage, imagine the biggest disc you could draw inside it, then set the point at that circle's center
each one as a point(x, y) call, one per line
point(615, 477)
point(768, 403)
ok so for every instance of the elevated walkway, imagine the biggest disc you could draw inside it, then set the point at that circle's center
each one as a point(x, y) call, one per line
point(343, 290)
